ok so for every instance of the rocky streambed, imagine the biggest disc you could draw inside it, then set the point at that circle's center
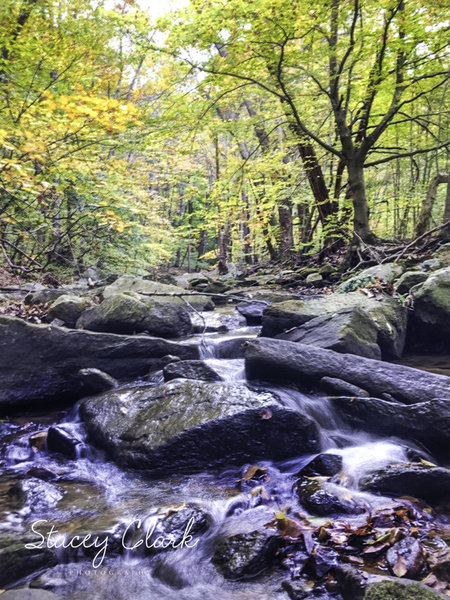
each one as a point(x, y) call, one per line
point(225, 464)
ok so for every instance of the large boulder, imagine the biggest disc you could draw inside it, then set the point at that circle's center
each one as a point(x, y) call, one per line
point(187, 426)
point(387, 272)
point(157, 291)
point(125, 314)
point(68, 308)
point(349, 330)
point(42, 362)
point(431, 317)
point(410, 479)
point(408, 280)
point(277, 360)
point(190, 369)
point(401, 590)
point(424, 422)
point(18, 560)
point(388, 317)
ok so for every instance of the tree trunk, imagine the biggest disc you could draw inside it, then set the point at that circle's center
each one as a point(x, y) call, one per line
point(445, 234)
point(286, 244)
point(224, 240)
point(360, 207)
point(423, 222)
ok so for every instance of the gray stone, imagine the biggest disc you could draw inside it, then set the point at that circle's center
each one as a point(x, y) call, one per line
point(44, 296)
point(68, 308)
point(277, 360)
point(130, 283)
point(17, 561)
point(190, 369)
point(424, 422)
point(339, 387)
point(388, 317)
point(386, 272)
point(314, 278)
point(95, 381)
point(252, 311)
point(432, 264)
point(29, 594)
point(187, 426)
point(125, 314)
point(410, 479)
point(246, 554)
point(319, 500)
point(409, 280)
point(432, 307)
point(42, 362)
point(349, 330)
point(34, 495)
point(406, 559)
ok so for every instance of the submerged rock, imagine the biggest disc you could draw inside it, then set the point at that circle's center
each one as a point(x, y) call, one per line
point(277, 360)
point(425, 422)
point(388, 318)
point(247, 554)
point(17, 560)
point(188, 426)
point(54, 357)
point(34, 494)
point(190, 369)
point(429, 483)
point(122, 313)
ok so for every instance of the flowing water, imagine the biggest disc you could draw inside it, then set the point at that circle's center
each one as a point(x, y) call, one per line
point(92, 494)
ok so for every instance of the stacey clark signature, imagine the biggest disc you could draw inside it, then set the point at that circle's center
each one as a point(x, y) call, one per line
point(53, 539)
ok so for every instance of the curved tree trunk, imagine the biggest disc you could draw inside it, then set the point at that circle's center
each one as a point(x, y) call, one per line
point(423, 222)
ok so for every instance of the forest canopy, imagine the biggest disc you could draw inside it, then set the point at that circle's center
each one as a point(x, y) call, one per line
point(227, 130)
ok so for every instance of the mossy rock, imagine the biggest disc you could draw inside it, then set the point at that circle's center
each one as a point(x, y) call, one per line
point(397, 590)
point(387, 272)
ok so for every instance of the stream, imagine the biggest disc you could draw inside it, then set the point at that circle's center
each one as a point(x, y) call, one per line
point(92, 494)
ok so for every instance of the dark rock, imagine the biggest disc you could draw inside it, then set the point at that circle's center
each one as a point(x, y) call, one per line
point(323, 464)
point(63, 441)
point(54, 357)
point(17, 560)
point(388, 317)
point(38, 440)
point(96, 381)
point(125, 314)
point(400, 590)
point(232, 348)
point(352, 582)
point(252, 311)
point(169, 358)
point(406, 559)
point(349, 330)
point(318, 500)
point(425, 422)
point(429, 483)
point(247, 554)
point(431, 316)
point(187, 426)
point(190, 369)
point(339, 387)
point(44, 296)
point(277, 360)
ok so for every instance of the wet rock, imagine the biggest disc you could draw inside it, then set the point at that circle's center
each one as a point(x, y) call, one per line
point(232, 348)
point(406, 559)
point(145, 289)
point(17, 560)
point(425, 422)
point(34, 494)
point(387, 316)
point(431, 316)
point(339, 387)
point(387, 272)
point(55, 357)
point(409, 280)
point(246, 555)
point(296, 590)
point(399, 590)
point(190, 369)
point(63, 441)
point(125, 314)
point(277, 360)
point(429, 483)
point(252, 311)
point(349, 330)
point(95, 381)
point(352, 582)
point(318, 500)
point(187, 426)
point(323, 464)
point(29, 594)
point(68, 308)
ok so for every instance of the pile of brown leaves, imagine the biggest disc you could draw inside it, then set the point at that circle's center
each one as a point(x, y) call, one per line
point(33, 313)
